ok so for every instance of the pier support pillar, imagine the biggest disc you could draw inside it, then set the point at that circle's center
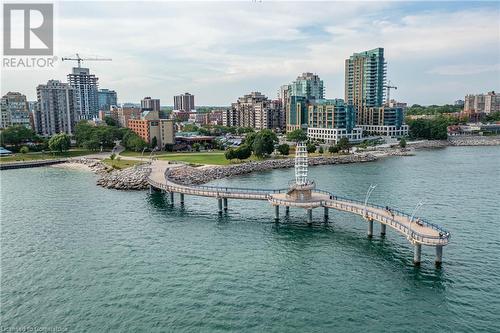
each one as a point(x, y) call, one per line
point(417, 254)
point(309, 216)
point(370, 228)
point(225, 204)
point(276, 213)
point(287, 211)
point(219, 204)
point(172, 198)
point(382, 229)
point(150, 189)
point(439, 255)
point(182, 198)
point(325, 209)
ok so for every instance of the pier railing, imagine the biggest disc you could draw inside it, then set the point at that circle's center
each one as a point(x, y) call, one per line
point(338, 202)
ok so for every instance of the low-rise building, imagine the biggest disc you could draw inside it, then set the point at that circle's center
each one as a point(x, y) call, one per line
point(124, 114)
point(150, 126)
point(384, 120)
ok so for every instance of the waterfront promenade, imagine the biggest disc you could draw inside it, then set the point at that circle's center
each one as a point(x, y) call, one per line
point(417, 231)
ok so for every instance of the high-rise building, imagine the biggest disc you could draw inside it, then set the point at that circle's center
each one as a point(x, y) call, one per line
point(55, 110)
point(150, 104)
point(255, 110)
point(86, 93)
point(307, 88)
point(184, 102)
point(106, 99)
point(296, 113)
point(307, 85)
point(482, 103)
point(332, 119)
point(365, 77)
point(14, 110)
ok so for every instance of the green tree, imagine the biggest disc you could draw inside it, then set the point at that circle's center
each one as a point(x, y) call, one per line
point(343, 144)
point(321, 151)
point(190, 128)
point(83, 132)
point(154, 142)
point(402, 143)
point(92, 144)
point(431, 129)
point(24, 150)
point(15, 135)
point(243, 152)
point(196, 146)
point(230, 154)
point(296, 135)
point(60, 142)
point(250, 138)
point(492, 117)
point(284, 149)
point(311, 147)
point(333, 149)
point(110, 121)
point(263, 143)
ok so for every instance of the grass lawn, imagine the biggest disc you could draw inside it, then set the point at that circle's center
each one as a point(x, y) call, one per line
point(121, 164)
point(197, 157)
point(35, 156)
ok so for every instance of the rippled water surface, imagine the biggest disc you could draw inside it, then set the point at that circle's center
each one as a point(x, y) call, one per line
point(88, 259)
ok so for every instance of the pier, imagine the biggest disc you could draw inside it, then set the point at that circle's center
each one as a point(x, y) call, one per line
point(302, 193)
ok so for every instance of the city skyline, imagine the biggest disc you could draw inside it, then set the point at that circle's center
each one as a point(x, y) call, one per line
point(434, 53)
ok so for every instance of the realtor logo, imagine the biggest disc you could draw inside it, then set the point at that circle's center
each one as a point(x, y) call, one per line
point(28, 29)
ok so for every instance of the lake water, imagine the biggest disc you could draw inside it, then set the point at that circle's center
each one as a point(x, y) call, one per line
point(82, 258)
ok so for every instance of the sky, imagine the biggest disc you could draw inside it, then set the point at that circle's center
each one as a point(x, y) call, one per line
point(436, 52)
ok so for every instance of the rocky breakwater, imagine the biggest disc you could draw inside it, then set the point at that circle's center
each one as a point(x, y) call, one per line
point(189, 175)
point(94, 165)
point(474, 140)
point(134, 178)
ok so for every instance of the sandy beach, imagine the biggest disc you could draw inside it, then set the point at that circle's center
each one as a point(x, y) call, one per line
point(72, 166)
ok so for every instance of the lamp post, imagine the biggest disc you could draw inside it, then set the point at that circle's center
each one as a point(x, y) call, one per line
point(142, 155)
point(151, 154)
point(368, 193)
point(420, 204)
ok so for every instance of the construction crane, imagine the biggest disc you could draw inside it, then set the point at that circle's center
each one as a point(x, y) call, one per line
point(389, 87)
point(80, 59)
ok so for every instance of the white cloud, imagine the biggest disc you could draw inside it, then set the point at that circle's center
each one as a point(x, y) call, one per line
point(465, 69)
point(161, 49)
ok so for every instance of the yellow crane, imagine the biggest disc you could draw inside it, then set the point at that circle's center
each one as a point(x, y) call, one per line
point(80, 59)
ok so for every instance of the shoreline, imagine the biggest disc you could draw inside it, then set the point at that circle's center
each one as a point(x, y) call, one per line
point(70, 165)
point(136, 178)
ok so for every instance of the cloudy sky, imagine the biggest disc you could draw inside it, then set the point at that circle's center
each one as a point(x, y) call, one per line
point(436, 52)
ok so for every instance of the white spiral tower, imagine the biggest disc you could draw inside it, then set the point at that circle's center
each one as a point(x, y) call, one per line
point(301, 164)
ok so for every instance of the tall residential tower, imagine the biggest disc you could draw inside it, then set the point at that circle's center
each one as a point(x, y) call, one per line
point(86, 93)
point(307, 88)
point(365, 77)
point(55, 109)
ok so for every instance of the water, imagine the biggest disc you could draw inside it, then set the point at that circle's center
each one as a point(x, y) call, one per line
point(87, 259)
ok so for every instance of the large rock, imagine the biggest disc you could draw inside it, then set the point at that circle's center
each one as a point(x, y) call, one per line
point(190, 175)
